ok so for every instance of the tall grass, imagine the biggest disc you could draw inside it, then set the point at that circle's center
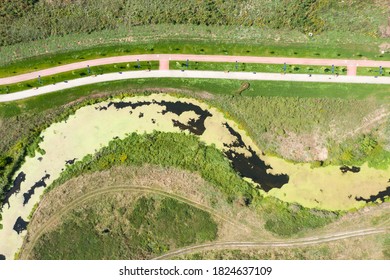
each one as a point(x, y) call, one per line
point(33, 20)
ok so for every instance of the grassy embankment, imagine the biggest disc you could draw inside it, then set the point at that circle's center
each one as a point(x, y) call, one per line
point(21, 19)
point(342, 29)
point(307, 49)
point(256, 67)
point(56, 50)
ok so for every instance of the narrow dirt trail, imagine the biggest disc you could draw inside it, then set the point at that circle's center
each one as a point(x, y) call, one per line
point(291, 243)
point(311, 240)
point(27, 247)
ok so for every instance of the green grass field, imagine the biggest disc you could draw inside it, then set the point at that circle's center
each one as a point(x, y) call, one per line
point(371, 71)
point(121, 227)
point(256, 67)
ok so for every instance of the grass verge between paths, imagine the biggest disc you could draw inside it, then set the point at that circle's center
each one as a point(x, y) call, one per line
point(256, 67)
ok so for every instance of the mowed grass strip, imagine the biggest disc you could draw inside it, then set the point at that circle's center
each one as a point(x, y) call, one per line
point(256, 67)
point(373, 71)
point(121, 227)
point(95, 70)
point(213, 86)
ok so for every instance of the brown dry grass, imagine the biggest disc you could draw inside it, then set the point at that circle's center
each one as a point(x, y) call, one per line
point(367, 217)
point(235, 221)
point(358, 248)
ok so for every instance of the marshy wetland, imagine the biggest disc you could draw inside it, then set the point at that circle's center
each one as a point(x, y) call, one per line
point(93, 127)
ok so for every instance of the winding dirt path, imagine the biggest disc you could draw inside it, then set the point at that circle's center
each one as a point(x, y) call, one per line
point(28, 246)
point(292, 243)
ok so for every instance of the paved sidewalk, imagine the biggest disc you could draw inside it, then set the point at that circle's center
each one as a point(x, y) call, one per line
point(164, 64)
point(351, 70)
point(192, 74)
point(350, 64)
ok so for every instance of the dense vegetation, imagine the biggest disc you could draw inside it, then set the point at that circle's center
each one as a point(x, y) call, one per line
point(166, 149)
point(115, 227)
point(186, 152)
point(287, 219)
point(23, 21)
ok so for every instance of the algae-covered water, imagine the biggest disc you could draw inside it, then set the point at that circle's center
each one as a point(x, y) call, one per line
point(94, 126)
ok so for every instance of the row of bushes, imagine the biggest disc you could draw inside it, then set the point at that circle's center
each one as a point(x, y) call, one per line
point(23, 21)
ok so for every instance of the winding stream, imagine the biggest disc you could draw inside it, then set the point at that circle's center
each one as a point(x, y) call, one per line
point(94, 126)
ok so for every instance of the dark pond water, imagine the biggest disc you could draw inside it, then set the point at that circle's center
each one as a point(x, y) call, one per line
point(21, 177)
point(70, 161)
point(195, 126)
point(251, 167)
point(40, 184)
point(380, 195)
point(20, 225)
point(353, 169)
